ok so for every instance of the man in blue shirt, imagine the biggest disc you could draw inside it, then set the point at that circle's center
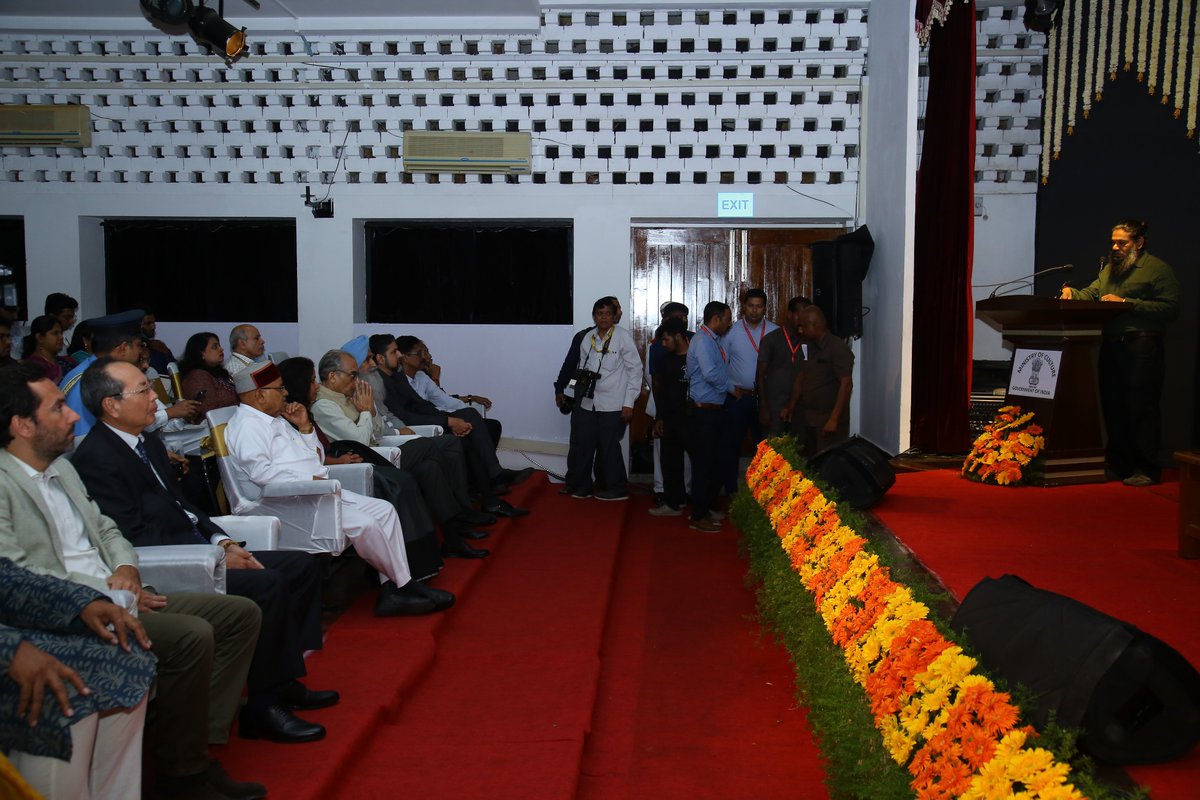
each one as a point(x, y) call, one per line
point(117, 335)
point(709, 384)
point(743, 343)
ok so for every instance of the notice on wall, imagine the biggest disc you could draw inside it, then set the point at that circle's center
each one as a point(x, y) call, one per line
point(1035, 373)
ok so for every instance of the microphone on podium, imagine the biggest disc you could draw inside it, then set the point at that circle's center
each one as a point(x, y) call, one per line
point(1032, 276)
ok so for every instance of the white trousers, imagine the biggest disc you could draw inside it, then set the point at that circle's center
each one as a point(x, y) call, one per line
point(372, 525)
point(106, 759)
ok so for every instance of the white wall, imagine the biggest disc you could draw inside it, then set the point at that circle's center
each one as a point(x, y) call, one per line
point(1003, 252)
point(889, 189)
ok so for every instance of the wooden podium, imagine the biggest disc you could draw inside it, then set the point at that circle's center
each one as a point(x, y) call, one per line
point(1056, 344)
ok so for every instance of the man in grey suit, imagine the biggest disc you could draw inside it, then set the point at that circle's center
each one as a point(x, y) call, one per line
point(50, 526)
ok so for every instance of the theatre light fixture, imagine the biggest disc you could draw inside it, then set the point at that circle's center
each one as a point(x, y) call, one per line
point(207, 25)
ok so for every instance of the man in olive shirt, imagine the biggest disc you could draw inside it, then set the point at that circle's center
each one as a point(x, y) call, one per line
point(821, 393)
point(1131, 356)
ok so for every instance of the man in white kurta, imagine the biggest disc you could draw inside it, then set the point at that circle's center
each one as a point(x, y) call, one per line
point(272, 440)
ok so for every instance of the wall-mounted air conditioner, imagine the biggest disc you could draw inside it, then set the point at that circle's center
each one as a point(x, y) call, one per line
point(447, 151)
point(45, 126)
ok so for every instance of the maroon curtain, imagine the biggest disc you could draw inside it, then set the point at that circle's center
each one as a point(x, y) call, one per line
point(942, 305)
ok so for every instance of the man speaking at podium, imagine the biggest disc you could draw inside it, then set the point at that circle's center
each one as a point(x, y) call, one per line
point(1131, 355)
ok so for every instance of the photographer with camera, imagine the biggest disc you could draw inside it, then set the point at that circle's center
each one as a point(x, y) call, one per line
point(604, 388)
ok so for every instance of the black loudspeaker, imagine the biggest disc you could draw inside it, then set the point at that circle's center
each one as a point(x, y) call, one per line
point(1135, 698)
point(857, 469)
point(839, 268)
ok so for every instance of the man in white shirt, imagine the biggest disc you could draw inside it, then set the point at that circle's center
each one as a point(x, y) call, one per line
point(603, 404)
point(270, 439)
point(246, 347)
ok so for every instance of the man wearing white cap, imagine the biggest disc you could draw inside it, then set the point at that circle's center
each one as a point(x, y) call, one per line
point(270, 439)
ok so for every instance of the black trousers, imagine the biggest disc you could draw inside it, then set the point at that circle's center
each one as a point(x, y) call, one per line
point(743, 416)
point(707, 429)
point(480, 450)
point(288, 591)
point(676, 440)
point(596, 434)
point(1131, 380)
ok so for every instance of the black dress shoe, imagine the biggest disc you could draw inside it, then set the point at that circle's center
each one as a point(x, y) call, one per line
point(476, 519)
point(219, 779)
point(396, 603)
point(296, 695)
point(440, 598)
point(467, 533)
point(502, 508)
point(498, 489)
point(464, 550)
point(514, 476)
point(279, 725)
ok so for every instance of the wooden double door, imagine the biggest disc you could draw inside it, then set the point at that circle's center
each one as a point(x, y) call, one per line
point(695, 265)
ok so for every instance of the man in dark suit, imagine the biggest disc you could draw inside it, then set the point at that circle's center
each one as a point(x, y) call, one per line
point(492, 480)
point(130, 478)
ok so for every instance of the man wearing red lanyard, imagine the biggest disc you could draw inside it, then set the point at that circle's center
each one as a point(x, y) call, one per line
point(780, 357)
point(743, 342)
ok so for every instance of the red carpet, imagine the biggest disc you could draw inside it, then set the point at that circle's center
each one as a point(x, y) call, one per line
point(1110, 546)
point(599, 652)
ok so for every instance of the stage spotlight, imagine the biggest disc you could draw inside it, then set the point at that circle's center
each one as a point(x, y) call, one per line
point(1039, 15)
point(209, 27)
point(168, 12)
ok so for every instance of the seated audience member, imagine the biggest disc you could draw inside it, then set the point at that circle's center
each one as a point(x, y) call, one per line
point(42, 346)
point(397, 360)
point(79, 690)
point(116, 335)
point(204, 643)
point(270, 439)
point(63, 307)
point(819, 408)
point(175, 422)
point(205, 379)
point(428, 383)
point(128, 474)
point(160, 354)
point(604, 407)
point(344, 411)
point(6, 342)
point(388, 483)
point(246, 347)
point(81, 344)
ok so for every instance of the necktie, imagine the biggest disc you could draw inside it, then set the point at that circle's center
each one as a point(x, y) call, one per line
point(142, 454)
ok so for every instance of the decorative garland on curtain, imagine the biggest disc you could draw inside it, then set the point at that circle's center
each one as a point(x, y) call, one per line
point(929, 12)
point(1094, 38)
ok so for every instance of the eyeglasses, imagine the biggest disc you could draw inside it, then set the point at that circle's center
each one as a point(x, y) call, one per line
point(352, 373)
point(145, 387)
point(274, 389)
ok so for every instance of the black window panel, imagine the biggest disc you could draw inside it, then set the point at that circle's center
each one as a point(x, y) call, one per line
point(203, 270)
point(12, 271)
point(470, 272)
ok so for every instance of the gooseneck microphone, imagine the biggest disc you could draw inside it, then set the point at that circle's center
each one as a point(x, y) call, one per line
point(1031, 277)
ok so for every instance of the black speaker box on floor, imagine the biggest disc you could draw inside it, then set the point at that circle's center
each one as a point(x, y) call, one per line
point(1136, 699)
point(857, 469)
point(838, 271)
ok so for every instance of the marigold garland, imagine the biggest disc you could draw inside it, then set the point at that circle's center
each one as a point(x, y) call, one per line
point(950, 728)
point(1005, 450)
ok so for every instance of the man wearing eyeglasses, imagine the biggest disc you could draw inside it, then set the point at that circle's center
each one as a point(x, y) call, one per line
point(126, 470)
point(1132, 365)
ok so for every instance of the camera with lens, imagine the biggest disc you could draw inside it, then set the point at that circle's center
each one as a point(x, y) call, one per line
point(583, 385)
